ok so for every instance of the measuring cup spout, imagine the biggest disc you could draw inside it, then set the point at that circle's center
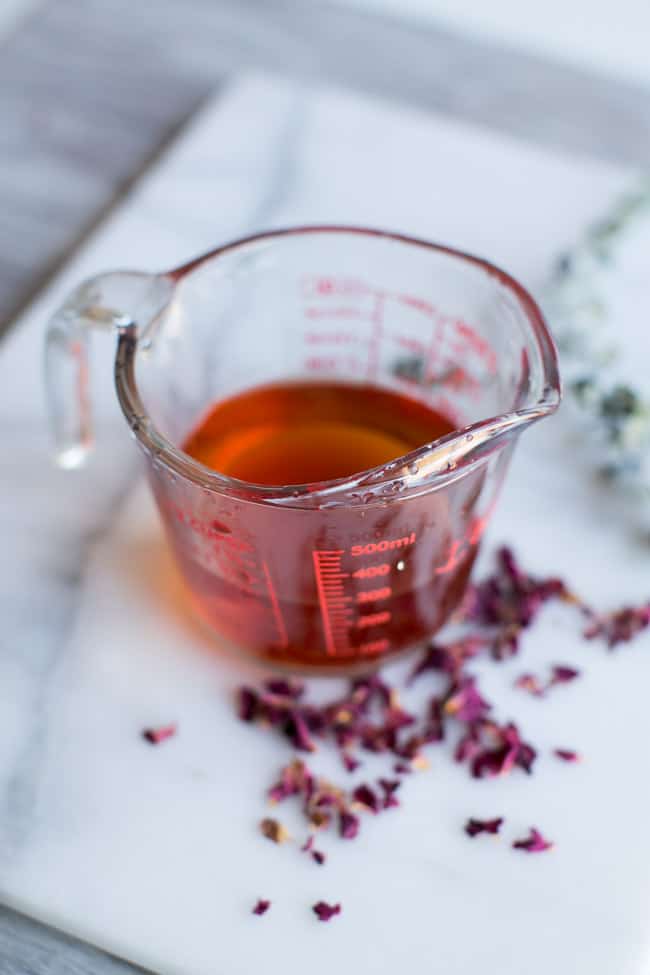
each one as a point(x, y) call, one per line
point(475, 443)
point(107, 303)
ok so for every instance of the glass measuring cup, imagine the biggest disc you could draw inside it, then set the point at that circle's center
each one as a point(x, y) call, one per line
point(341, 574)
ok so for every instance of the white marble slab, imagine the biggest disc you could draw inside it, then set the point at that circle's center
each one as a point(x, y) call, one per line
point(154, 853)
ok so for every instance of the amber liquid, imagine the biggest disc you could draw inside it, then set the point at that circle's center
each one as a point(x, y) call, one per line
point(316, 588)
point(300, 433)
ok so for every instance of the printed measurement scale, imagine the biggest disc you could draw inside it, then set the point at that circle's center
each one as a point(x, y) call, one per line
point(345, 607)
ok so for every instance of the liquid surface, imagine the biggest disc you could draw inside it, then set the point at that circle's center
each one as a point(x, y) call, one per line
point(297, 433)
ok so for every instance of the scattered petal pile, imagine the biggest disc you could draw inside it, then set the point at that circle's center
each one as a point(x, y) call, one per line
point(369, 717)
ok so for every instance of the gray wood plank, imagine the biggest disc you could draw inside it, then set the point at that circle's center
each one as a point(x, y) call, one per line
point(90, 90)
point(28, 948)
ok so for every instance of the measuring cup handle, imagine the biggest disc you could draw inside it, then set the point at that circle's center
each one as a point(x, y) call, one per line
point(107, 303)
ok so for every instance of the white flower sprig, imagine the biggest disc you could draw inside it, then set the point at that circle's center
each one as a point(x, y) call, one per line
point(581, 312)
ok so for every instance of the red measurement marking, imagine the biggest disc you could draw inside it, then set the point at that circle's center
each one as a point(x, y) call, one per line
point(321, 363)
point(372, 571)
point(323, 286)
point(479, 344)
point(329, 338)
point(346, 313)
point(453, 560)
point(333, 613)
point(385, 545)
point(412, 344)
point(374, 348)
point(374, 595)
point(374, 646)
point(419, 304)
point(373, 619)
point(283, 639)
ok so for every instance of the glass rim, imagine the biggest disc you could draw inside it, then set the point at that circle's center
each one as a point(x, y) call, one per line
point(380, 482)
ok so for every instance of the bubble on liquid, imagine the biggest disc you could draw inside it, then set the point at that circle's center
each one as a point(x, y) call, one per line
point(401, 565)
point(394, 487)
point(469, 437)
point(451, 465)
point(413, 467)
point(368, 497)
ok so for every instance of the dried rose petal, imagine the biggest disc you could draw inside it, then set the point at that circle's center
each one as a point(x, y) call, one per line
point(531, 684)
point(319, 818)
point(448, 658)
point(511, 598)
point(318, 857)
point(295, 779)
point(534, 842)
point(285, 687)
point(348, 824)
point(402, 768)
point(247, 702)
point(561, 674)
point(351, 764)
point(473, 827)
point(620, 626)
point(274, 830)
point(465, 702)
point(157, 735)
point(325, 911)
point(389, 788)
point(505, 642)
point(261, 907)
point(297, 730)
point(566, 754)
point(365, 796)
point(510, 751)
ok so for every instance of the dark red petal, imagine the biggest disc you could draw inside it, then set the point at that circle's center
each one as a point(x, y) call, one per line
point(297, 731)
point(261, 907)
point(348, 824)
point(561, 674)
point(465, 702)
point(389, 787)
point(620, 626)
point(247, 701)
point(285, 687)
point(350, 763)
point(473, 827)
point(157, 735)
point(526, 756)
point(325, 911)
point(533, 843)
point(318, 857)
point(365, 796)
point(566, 755)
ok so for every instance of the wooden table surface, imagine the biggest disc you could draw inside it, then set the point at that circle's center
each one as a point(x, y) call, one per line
point(91, 91)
